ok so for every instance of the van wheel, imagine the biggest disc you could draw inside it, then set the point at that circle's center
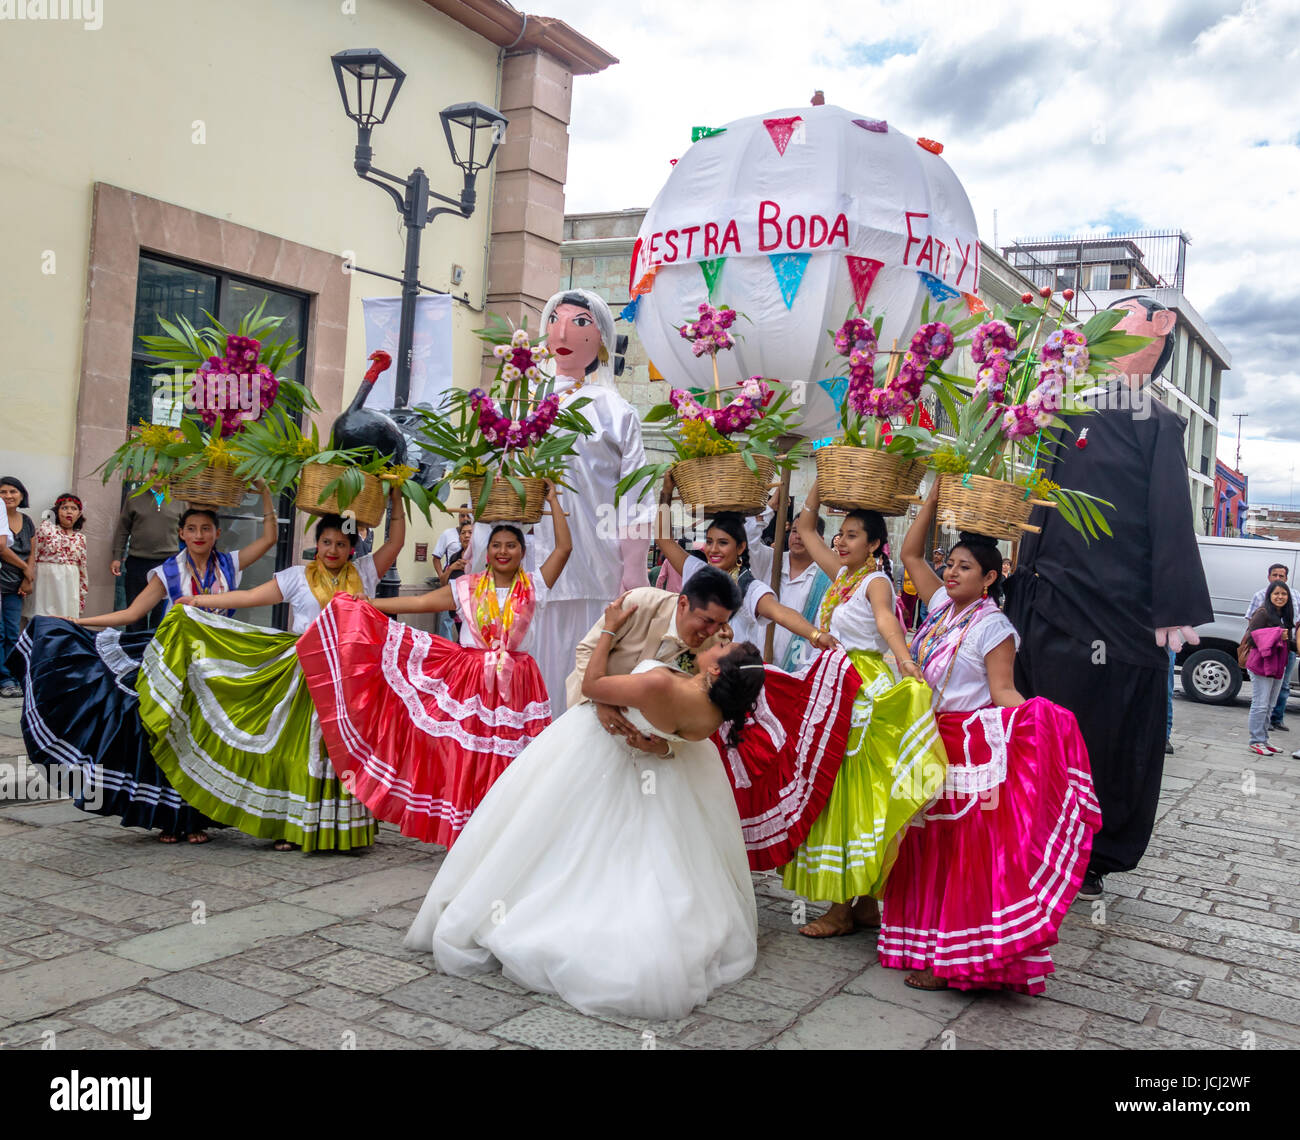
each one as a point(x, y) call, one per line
point(1211, 676)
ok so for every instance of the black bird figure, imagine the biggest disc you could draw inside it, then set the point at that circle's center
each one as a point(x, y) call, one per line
point(360, 426)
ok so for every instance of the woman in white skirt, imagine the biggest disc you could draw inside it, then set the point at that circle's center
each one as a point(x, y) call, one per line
point(60, 589)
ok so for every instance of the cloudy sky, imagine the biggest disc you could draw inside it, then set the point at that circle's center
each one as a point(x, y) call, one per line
point(1063, 118)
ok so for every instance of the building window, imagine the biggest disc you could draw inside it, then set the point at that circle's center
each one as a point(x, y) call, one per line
point(170, 289)
point(1098, 277)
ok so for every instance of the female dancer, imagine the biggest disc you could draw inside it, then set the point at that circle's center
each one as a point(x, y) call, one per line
point(984, 879)
point(418, 728)
point(726, 547)
point(199, 567)
point(60, 566)
point(232, 723)
point(894, 762)
point(592, 870)
point(82, 709)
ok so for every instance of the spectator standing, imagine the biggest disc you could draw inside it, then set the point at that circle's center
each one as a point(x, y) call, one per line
point(17, 532)
point(1277, 718)
point(1271, 636)
point(60, 563)
point(149, 523)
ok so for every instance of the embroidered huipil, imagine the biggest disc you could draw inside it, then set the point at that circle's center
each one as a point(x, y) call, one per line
point(64, 548)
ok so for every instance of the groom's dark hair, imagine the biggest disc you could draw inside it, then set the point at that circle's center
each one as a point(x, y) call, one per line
point(707, 586)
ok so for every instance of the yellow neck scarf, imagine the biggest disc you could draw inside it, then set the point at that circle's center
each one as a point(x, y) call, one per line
point(325, 585)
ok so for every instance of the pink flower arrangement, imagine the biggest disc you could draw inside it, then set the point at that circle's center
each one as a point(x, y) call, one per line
point(519, 358)
point(1064, 355)
point(218, 386)
point(732, 417)
point(513, 435)
point(708, 332)
point(857, 340)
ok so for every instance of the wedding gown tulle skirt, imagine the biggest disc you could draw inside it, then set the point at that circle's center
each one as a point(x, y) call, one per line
point(418, 725)
point(614, 879)
point(986, 876)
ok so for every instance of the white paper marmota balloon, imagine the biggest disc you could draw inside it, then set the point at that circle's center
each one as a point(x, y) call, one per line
point(805, 207)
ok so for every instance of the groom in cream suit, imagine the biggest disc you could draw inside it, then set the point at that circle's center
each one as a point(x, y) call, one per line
point(666, 627)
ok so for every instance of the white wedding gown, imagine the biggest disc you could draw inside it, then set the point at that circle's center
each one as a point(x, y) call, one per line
point(613, 878)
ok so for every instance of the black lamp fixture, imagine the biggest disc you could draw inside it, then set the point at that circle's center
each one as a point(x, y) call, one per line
point(368, 84)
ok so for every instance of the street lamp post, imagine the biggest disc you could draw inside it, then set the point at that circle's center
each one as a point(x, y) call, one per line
point(368, 83)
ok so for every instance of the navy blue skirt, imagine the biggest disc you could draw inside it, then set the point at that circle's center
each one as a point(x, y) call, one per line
point(81, 715)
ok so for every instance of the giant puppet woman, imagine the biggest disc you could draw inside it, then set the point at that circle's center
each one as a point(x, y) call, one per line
point(1095, 618)
point(609, 545)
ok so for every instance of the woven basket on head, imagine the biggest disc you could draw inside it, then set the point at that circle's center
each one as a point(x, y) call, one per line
point(367, 507)
point(980, 505)
point(861, 478)
point(717, 483)
point(503, 503)
point(211, 487)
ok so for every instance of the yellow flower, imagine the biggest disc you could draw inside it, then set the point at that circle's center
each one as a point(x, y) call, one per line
point(697, 441)
point(1039, 485)
point(158, 436)
point(217, 453)
point(398, 473)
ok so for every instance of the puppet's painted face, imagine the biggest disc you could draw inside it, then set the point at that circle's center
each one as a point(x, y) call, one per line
point(573, 336)
point(1138, 366)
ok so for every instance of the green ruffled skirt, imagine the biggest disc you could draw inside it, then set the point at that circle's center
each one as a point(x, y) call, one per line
point(894, 764)
point(232, 725)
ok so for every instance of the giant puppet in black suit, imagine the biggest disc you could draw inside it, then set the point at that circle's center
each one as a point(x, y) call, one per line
point(1095, 618)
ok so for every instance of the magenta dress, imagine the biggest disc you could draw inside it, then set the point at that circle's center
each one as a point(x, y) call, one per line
point(986, 873)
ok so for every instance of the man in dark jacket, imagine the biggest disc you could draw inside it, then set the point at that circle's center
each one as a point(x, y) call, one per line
point(1095, 617)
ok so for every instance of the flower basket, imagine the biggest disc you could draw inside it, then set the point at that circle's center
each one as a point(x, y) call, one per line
point(503, 503)
point(980, 505)
point(860, 478)
point(368, 506)
point(210, 486)
point(717, 483)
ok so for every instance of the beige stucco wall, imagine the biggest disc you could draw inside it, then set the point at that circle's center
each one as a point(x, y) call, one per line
point(226, 109)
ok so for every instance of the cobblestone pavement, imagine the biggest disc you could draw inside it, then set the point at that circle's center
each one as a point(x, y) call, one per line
point(110, 940)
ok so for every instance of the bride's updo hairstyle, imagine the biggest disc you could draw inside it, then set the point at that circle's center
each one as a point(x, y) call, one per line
point(985, 551)
point(737, 686)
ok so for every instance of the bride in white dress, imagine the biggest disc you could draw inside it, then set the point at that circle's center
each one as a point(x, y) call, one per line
point(613, 877)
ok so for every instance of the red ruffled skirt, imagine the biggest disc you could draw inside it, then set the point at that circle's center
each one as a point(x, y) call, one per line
point(986, 873)
point(415, 726)
point(789, 754)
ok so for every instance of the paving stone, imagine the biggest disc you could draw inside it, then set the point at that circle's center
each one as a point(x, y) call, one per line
point(1251, 1001)
point(282, 983)
point(796, 974)
point(1247, 914)
point(1223, 1036)
point(367, 893)
point(361, 970)
point(458, 1001)
point(218, 995)
point(233, 932)
point(149, 880)
point(1177, 899)
point(43, 987)
point(285, 953)
point(33, 1032)
point(12, 929)
point(1129, 1036)
point(46, 814)
point(241, 878)
point(26, 881)
point(127, 1010)
point(732, 1007)
point(95, 929)
point(9, 959)
point(771, 992)
point(1214, 925)
point(546, 1028)
point(847, 1021)
point(887, 985)
point(1040, 1010)
point(1136, 908)
point(1266, 980)
point(371, 936)
point(1100, 1001)
point(431, 1033)
point(81, 1038)
point(1146, 977)
point(200, 1030)
point(986, 1023)
point(340, 1002)
point(714, 1033)
point(103, 900)
point(314, 1029)
point(52, 945)
point(395, 918)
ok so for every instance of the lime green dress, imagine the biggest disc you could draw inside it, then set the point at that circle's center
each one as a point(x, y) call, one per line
point(232, 724)
point(894, 764)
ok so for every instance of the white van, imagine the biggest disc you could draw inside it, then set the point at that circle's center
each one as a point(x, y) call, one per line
point(1235, 568)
